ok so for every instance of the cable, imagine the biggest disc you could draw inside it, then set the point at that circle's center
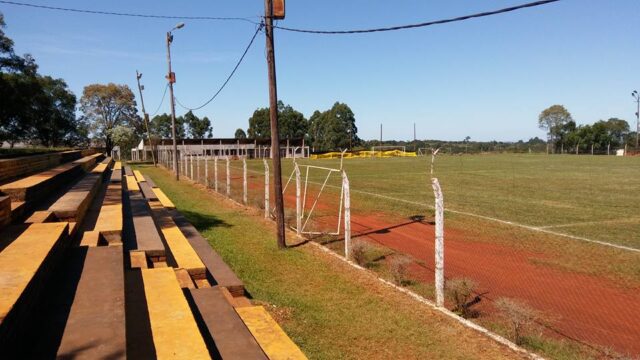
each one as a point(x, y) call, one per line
point(161, 101)
point(424, 24)
point(229, 77)
point(97, 12)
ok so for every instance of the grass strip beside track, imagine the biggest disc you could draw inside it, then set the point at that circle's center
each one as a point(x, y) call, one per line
point(329, 309)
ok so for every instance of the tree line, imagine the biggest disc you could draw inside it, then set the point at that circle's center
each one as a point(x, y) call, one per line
point(563, 135)
point(332, 129)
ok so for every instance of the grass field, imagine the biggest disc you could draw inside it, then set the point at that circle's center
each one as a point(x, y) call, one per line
point(330, 310)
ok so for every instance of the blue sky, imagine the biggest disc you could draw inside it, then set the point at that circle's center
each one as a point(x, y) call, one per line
point(486, 78)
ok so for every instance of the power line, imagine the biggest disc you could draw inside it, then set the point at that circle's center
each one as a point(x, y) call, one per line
point(230, 75)
point(161, 101)
point(423, 24)
point(113, 13)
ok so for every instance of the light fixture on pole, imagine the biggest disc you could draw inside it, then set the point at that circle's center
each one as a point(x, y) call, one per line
point(171, 77)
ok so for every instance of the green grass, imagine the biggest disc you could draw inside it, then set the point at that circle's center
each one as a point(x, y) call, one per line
point(329, 309)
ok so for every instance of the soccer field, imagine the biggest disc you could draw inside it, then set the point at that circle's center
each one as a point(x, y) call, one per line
point(594, 197)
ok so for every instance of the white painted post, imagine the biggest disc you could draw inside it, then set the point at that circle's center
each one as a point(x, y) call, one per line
point(191, 156)
point(228, 179)
point(347, 216)
point(215, 173)
point(198, 167)
point(206, 171)
point(266, 189)
point(439, 243)
point(244, 181)
point(298, 201)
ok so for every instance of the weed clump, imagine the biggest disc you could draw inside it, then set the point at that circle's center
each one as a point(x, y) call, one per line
point(519, 317)
point(359, 251)
point(398, 268)
point(461, 293)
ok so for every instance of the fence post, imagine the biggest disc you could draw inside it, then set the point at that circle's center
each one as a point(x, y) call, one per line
point(198, 167)
point(244, 181)
point(191, 156)
point(266, 188)
point(206, 172)
point(228, 179)
point(439, 243)
point(215, 173)
point(298, 201)
point(347, 215)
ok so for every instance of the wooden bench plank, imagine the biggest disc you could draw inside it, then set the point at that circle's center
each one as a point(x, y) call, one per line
point(181, 250)
point(147, 191)
point(273, 340)
point(41, 217)
point(73, 205)
point(164, 200)
point(138, 259)
point(38, 186)
point(24, 266)
point(146, 234)
point(219, 270)
point(138, 175)
point(95, 328)
point(87, 162)
point(91, 239)
point(229, 334)
point(150, 181)
point(110, 217)
point(117, 165)
point(128, 171)
point(175, 332)
point(132, 184)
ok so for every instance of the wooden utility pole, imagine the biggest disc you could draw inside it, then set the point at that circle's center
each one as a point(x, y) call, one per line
point(273, 116)
point(171, 77)
point(146, 118)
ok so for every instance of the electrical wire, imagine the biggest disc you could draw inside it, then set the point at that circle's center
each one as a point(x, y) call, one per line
point(228, 78)
point(161, 101)
point(419, 25)
point(97, 12)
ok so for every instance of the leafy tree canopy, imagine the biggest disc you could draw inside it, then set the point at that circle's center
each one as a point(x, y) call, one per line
point(108, 106)
point(240, 134)
point(291, 123)
point(160, 126)
point(197, 128)
point(333, 129)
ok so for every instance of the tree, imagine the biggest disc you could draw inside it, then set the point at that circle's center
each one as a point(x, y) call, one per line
point(334, 128)
point(552, 119)
point(197, 128)
point(617, 129)
point(291, 123)
point(123, 136)
point(108, 106)
point(54, 118)
point(160, 126)
point(240, 134)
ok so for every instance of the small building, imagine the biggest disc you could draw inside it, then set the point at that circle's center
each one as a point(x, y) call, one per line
point(221, 147)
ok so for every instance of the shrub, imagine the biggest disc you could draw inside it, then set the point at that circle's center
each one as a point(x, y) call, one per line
point(359, 251)
point(520, 318)
point(460, 293)
point(398, 267)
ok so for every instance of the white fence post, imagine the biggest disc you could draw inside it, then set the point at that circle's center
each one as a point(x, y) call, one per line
point(266, 189)
point(206, 172)
point(191, 156)
point(228, 179)
point(198, 167)
point(347, 216)
point(298, 201)
point(215, 173)
point(244, 181)
point(439, 243)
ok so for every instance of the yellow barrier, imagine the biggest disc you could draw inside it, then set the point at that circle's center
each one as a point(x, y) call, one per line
point(365, 154)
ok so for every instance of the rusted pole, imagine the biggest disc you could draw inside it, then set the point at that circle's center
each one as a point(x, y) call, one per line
point(273, 116)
